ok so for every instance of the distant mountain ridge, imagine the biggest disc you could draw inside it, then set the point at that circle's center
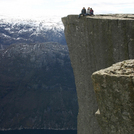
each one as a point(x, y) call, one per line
point(39, 30)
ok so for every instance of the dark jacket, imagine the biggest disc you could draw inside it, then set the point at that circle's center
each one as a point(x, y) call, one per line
point(91, 12)
point(83, 11)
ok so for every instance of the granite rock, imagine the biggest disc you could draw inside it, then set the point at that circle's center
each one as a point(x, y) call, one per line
point(96, 42)
point(114, 88)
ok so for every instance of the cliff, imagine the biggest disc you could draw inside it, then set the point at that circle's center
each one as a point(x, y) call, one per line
point(95, 42)
point(114, 88)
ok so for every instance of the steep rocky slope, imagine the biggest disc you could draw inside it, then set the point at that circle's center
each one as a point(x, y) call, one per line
point(37, 87)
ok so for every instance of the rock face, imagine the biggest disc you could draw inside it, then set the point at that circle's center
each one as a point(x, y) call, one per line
point(114, 88)
point(94, 43)
point(37, 89)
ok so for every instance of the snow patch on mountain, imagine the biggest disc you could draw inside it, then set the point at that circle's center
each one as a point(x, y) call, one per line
point(31, 30)
point(46, 22)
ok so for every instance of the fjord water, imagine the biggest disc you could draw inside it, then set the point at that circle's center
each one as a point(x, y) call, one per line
point(38, 131)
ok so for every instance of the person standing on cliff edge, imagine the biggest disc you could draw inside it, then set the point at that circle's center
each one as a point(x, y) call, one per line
point(83, 12)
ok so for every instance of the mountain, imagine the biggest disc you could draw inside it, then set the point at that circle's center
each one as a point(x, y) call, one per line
point(37, 88)
point(38, 30)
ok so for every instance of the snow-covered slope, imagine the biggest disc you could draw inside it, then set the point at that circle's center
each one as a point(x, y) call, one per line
point(37, 30)
point(48, 22)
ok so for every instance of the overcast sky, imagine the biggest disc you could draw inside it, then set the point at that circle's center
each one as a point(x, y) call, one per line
point(33, 8)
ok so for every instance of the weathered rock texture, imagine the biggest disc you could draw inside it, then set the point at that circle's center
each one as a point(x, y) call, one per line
point(94, 43)
point(114, 88)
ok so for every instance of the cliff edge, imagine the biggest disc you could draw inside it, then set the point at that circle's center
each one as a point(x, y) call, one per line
point(95, 42)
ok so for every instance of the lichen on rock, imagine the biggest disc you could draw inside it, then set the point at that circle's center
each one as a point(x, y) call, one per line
point(122, 68)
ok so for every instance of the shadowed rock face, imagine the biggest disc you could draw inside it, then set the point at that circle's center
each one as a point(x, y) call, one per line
point(37, 88)
point(114, 88)
point(95, 42)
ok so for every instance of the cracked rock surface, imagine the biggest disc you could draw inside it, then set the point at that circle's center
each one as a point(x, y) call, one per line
point(122, 68)
point(114, 89)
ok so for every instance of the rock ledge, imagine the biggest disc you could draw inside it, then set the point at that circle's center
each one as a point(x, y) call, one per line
point(121, 68)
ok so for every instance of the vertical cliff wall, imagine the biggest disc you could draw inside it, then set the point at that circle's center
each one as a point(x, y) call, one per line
point(114, 88)
point(94, 43)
